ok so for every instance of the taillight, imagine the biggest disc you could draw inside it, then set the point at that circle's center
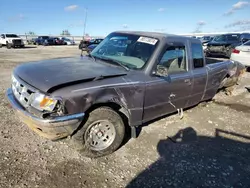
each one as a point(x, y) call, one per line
point(236, 51)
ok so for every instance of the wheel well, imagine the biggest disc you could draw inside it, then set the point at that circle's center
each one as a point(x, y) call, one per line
point(123, 112)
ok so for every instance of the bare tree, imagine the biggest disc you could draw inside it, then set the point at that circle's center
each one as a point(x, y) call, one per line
point(65, 33)
point(31, 33)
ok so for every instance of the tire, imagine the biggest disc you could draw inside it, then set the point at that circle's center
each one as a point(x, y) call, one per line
point(8, 45)
point(108, 118)
point(1, 45)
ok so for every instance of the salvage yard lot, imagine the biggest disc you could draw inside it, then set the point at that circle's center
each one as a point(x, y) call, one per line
point(209, 147)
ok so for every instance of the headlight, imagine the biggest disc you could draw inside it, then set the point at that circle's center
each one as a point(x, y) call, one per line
point(22, 42)
point(9, 40)
point(43, 102)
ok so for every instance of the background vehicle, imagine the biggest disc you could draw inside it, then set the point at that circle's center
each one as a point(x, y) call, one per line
point(41, 40)
point(91, 47)
point(11, 40)
point(32, 41)
point(206, 39)
point(84, 44)
point(128, 79)
point(68, 41)
point(242, 54)
point(53, 41)
point(223, 44)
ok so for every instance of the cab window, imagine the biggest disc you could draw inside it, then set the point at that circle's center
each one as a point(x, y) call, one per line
point(197, 55)
point(174, 59)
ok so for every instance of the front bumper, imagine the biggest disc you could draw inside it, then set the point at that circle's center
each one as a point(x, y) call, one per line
point(53, 129)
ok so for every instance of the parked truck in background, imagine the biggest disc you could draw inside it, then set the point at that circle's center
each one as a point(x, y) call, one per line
point(41, 40)
point(94, 98)
point(11, 40)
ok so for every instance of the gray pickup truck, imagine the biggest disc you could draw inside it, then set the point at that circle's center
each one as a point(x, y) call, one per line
point(130, 78)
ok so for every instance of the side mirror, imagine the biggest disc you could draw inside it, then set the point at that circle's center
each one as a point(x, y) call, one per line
point(161, 71)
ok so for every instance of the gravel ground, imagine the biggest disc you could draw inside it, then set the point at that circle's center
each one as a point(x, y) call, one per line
point(209, 147)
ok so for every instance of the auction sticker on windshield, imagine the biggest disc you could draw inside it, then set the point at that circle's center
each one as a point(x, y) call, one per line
point(147, 40)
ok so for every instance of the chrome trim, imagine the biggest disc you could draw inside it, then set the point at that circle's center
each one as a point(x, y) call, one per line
point(59, 119)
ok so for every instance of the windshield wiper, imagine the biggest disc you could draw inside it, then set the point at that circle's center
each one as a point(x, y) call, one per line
point(114, 61)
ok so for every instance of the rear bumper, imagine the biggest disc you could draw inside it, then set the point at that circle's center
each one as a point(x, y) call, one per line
point(54, 128)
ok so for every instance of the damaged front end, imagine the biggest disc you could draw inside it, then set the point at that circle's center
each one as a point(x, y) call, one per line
point(45, 115)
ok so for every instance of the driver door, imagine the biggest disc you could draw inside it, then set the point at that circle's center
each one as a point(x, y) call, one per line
point(167, 93)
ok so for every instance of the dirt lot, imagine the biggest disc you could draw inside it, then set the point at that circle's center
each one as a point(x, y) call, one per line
point(209, 147)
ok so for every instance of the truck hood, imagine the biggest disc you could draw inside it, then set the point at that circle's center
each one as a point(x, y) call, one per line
point(49, 75)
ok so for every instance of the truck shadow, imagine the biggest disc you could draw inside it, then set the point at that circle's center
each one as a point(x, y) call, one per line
point(189, 160)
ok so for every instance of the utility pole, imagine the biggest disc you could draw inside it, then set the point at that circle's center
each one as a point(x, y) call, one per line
point(85, 20)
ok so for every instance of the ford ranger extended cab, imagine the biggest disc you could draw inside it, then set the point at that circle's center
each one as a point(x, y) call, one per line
point(11, 40)
point(92, 99)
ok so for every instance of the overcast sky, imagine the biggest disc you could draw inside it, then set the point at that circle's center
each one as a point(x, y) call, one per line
point(169, 16)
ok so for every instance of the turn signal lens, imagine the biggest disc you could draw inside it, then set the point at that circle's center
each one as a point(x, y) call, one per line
point(48, 103)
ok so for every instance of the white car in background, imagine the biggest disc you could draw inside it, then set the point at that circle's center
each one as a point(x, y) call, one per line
point(68, 41)
point(242, 54)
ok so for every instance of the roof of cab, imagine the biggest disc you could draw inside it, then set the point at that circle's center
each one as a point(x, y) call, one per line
point(156, 35)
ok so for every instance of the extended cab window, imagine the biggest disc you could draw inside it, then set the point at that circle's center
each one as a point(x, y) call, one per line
point(197, 55)
point(174, 59)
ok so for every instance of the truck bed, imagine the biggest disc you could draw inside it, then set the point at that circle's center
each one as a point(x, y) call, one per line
point(212, 61)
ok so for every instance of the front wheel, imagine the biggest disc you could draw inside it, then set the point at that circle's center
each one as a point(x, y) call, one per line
point(102, 133)
point(8, 45)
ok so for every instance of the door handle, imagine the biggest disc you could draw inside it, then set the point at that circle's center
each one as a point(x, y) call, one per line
point(187, 81)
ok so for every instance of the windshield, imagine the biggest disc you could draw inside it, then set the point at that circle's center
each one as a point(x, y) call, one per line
point(232, 37)
point(11, 36)
point(247, 43)
point(45, 37)
point(206, 38)
point(224, 38)
point(220, 38)
point(133, 51)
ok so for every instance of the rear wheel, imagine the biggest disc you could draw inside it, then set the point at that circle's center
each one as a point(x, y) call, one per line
point(1, 45)
point(102, 133)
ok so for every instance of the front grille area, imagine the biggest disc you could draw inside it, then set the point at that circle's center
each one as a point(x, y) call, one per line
point(215, 48)
point(17, 41)
point(21, 92)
